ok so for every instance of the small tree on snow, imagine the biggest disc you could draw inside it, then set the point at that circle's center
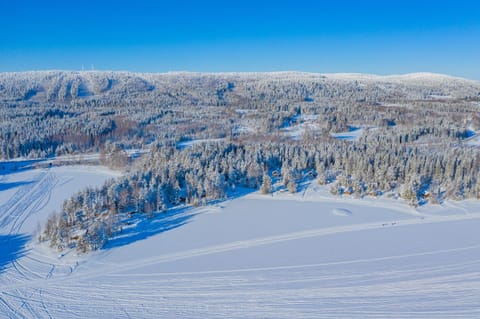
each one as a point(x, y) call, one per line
point(266, 187)
point(409, 193)
point(292, 186)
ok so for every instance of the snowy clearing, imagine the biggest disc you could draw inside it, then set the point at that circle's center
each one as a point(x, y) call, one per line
point(302, 125)
point(473, 139)
point(303, 255)
point(352, 135)
point(190, 143)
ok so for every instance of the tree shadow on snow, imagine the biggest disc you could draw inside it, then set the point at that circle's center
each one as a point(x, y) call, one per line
point(9, 167)
point(12, 247)
point(141, 227)
point(6, 186)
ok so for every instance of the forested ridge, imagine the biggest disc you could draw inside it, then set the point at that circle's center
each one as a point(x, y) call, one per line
point(56, 113)
point(207, 134)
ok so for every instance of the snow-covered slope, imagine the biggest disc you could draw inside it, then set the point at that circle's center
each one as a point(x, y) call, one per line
point(307, 255)
point(64, 86)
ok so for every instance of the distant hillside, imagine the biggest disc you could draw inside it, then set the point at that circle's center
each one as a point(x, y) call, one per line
point(61, 112)
point(64, 86)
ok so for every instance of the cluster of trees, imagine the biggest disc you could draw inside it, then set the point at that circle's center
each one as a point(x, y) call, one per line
point(168, 177)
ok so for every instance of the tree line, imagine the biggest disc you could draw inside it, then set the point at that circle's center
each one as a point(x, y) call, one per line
point(168, 177)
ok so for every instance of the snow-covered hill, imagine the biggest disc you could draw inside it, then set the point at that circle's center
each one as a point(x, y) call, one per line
point(67, 85)
point(306, 255)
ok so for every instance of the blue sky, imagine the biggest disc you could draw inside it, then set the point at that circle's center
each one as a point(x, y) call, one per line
point(382, 37)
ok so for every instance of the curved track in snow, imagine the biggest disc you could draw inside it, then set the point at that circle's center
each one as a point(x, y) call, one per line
point(439, 278)
point(17, 214)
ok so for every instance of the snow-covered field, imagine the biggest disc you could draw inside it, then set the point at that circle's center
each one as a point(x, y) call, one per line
point(353, 135)
point(307, 255)
point(302, 125)
point(473, 139)
point(190, 143)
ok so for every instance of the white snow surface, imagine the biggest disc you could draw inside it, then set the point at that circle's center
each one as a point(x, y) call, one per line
point(353, 135)
point(303, 255)
point(473, 140)
point(302, 125)
point(190, 143)
point(417, 76)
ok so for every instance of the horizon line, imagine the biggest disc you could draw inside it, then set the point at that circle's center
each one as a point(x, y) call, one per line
point(418, 74)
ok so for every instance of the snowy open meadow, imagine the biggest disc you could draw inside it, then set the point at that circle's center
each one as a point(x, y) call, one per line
point(303, 255)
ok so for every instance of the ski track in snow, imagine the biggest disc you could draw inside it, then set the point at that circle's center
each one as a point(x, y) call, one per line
point(276, 239)
point(216, 283)
point(446, 284)
point(28, 200)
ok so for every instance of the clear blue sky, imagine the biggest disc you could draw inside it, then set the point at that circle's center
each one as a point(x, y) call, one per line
point(382, 37)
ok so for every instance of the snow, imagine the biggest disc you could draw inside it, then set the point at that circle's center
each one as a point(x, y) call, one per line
point(28, 195)
point(190, 143)
point(352, 135)
point(418, 76)
point(341, 212)
point(440, 97)
point(303, 255)
point(87, 158)
point(473, 139)
point(302, 125)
